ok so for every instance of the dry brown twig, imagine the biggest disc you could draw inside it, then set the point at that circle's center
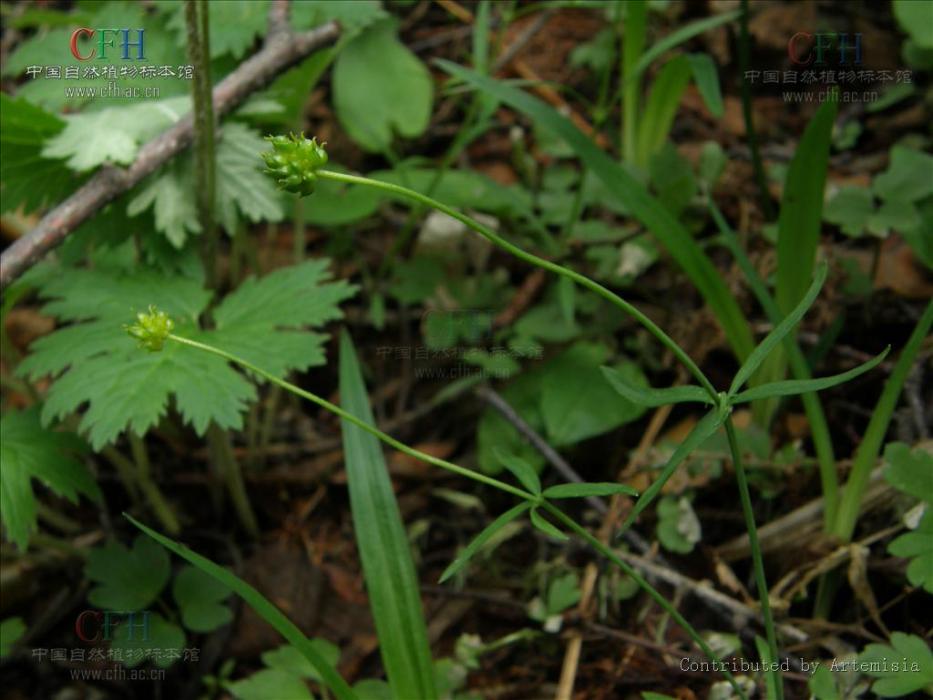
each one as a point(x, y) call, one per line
point(287, 49)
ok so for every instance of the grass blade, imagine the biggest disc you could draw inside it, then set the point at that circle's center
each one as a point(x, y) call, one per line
point(790, 387)
point(774, 338)
point(482, 538)
point(706, 77)
point(651, 397)
point(584, 490)
point(266, 610)
point(661, 108)
point(678, 37)
point(384, 550)
point(870, 447)
point(668, 230)
point(799, 225)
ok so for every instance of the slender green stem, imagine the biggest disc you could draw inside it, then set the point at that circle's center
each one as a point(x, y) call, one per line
point(819, 429)
point(59, 521)
point(157, 501)
point(126, 470)
point(633, 43)
point(334, 408)
point(750, 135)
point(498, 240)
point(222, 453)
point(596, 544)
point(757, 562)
point(870, 447)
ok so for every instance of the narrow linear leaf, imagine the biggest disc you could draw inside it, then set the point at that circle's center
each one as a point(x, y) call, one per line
point(651, 397)
point(262, 607)
point(647, 209)
point(678, 37)
point(771, 679)
point(774, 338)
point(701, 431)
point(482, 538)
point(801, 386)
point(661, 107)
point(522, 470)
point(546, 527)
point(706, 77)
point(599, 488)
point(388, 568)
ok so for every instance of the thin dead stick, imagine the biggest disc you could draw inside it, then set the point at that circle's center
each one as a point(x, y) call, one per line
point(111, 181)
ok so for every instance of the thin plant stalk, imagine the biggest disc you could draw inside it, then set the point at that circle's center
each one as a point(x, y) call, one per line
point(750, 134)
point(157, 501)
point(633, 43)
point(475, 476)
point(226, 462)
point(819, 429)
point(501, 242)
point(757, 562)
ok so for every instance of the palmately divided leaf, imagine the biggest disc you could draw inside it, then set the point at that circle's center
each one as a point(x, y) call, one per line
point(651, 397)
point(918, 547)
point(910, 470)
point(28, 452)
point(28, 179)
point(127, 579)
point(263, 320)
point(893, 679)
point(774, 338)
point(200, 599)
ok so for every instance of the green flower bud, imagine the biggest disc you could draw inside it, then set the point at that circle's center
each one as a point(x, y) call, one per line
point(151, 329)
point(294, 161)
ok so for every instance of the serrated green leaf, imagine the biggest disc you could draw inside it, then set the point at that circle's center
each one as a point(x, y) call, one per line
point(482, 538)
point(910, 470)
point(371, 105)
point(584, 490)
point(127, 579)
point(270, 683)
point(790, 387)
point(352, 16)
point(11, 629)
point(243, 192)
point(162, 641)
point(234, 25)
point(288, 658)
point(521, 470)
point(918, 547)
point(907, 178)
point(29, 180)
point(850, 208)
point(545, 526)
point(384, 549)
point(651, 397)
point(266, 610)
point(563, 592)
point(28, 452)
point(113, 134)
point(200, 599)
point(265, 320)
point(774, 338)
point(894, 680)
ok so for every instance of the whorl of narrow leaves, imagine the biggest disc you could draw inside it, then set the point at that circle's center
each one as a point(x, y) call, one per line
point(294, 161)
point(151, 329)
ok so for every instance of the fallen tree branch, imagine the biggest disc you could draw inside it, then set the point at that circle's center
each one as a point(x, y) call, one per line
point(111, 181)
